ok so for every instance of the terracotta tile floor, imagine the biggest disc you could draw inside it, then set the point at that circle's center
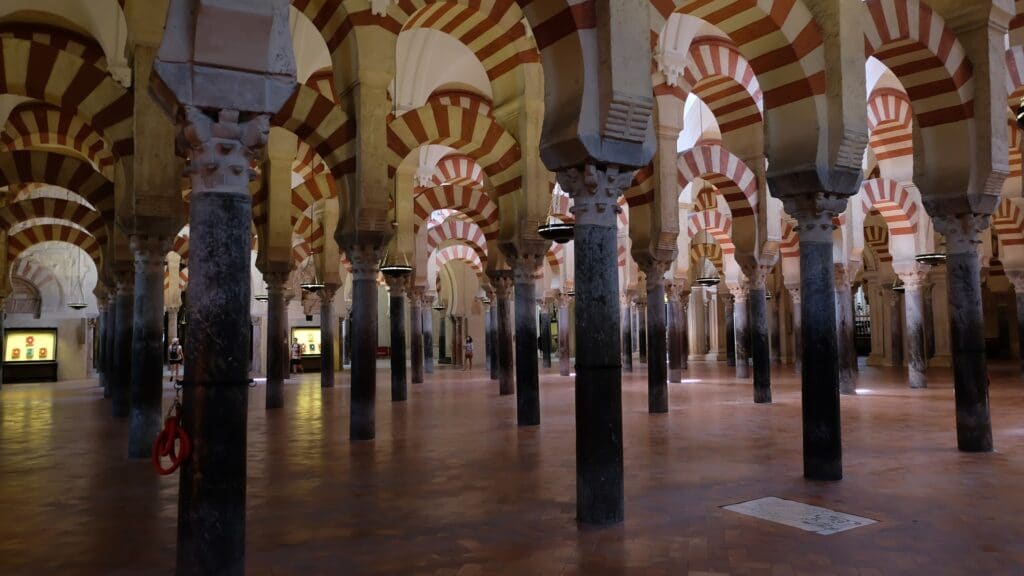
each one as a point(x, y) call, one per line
point(451, 485)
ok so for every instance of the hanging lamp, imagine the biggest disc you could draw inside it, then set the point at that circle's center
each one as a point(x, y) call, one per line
point(78, 298)
point(706, 280)
point(316, 284)
point(262, 296)
point(394, 268)
point(554, 229)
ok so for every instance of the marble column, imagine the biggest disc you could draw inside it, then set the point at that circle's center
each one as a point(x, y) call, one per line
point(641, 321)
point(564, 358)
point(416, 330)
point(844, 330)
point(428, 332)
point(327, 324)
point(286, 369)
point(211, 494)
point(104, 320)
point(123, 344)
point(657, 369)
point(760, 346)
point(3, 316)
point(970, 369)
point(442, 338)
point(492, 335)
point(741, 330)
point(822, 425)
point(172, 324)
point(111, 338)
point(545, 331)
point(684, 329)
point(347, 338)
point(774, 330)
point(502, 283)
point(397, 286)
point(524, 267)
point(929, 319)
point(895, 326)
point(1016, 278)
point(913, 301)
point(147, 349)
point(277, 338)
point(365, 259)
point(675, 333)
point(598, 404)
point(798, 349)
point(626, 301)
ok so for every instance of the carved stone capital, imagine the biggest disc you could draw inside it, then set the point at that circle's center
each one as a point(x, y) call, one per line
point(365, 260)
point(526, 266)
point(654, 271)
point(814, 214)
point(842, 277)
point(397, 285)
point(595, 192)
point(914, 280)
point(276, 281)
point(739, 293)
point(124, 280)
point(758, 276)
point(961, 231)
point(150, 251)
point(502, 282)
point(562, 299)
point(1016, 277)
point(416, 294)
point(794, 295)
point(221, 149)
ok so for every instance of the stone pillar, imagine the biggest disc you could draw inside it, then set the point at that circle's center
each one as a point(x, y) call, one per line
point(277, 338)
point(492, 336)
point(657, 369)
point(457, 341)
point(397, 286)
point(598, 403)
point(442, 338)
point(564, 358)
point(327, 325)
point(111, 338)
point(121, 384)
point(502, 283)
point(1016, 278)
point(698, 345)
point(286, 369)
point(675, 331)
point(760, 346)
point(416, 324)
point(147, 349)
point(104, 320)
point(774, 323)
point(895, 327)
point(641, 321)
point(822, 426)
point(626, 301)
point(741, 330)
point(428, 333)
point(940, 317)
point(798, 349)
point(917, 354)
point(684, 328)
point(844, 331)
point(172, 324)
point(970, 370)
point(3, 316)
point(929, 320)
point(545, 331)
point(524, 267)
point(365, 259)
point(876, 302)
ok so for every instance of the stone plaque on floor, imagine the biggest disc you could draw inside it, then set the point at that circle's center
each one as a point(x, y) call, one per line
point(799, 515)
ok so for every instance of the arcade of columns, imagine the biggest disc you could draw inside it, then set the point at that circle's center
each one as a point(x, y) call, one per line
point(800, 153)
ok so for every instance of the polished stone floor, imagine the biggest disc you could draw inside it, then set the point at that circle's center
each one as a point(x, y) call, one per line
point(451, 486)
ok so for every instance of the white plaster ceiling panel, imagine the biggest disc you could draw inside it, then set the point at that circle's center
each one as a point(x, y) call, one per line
point(311, 52)
point(429, 60)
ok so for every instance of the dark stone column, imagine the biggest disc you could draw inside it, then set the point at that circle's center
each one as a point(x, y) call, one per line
point(348, 337)
point(967, 330)
point(416, 340)
point(502, 283)
point(365, 258)
point(741, 330)
point(896, 326)
point(277, 338)
point(121, 384)
point(524, 267)
point(428, 333)
point(798, 349)
point(442, 338)
point(913, 301)
point(564, 358)
point(397, 285)
point(773, 322)
point(675, 366)
point(730, 328)
point(844, 331)
point(641, 319)
point(111, 337)
point(684, 329)
point(327, 323)
point(3, 316)
point(492, 336)
point(599, 467)
point(101, 360)
point(147, 368)
point(822, 436)
point(657, 370)
point(1017, 279)
point(929, 320)
point(458, 340)
point(627, 331)
point(760, 346)
point(211, 495)
point(545, 331)
point(286, 369)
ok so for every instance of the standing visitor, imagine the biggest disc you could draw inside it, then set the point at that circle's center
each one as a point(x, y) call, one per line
point(175, 356)
point(469, 354)
point(297, 350)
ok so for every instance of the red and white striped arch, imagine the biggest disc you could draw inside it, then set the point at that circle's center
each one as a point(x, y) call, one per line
point(180, 246)
point(780, 40)
point(457, 170)
point(555, 257)
point(715, 223)
point(723, 79)
point(641, 191)
point(915, 43)
point(55, 208)
point(455, 229)
point(894, 202)
point(37, 124)
point(710, 252)
point(54, 232)
point(335, 23)
point(473, 202)
point(68, 172)
point(308, 193)
point(890, 119)
point(462, 252)
point(58, 38)
point(64, 79)
point(877, 237)
point(323, 125)
point(463, 99)
point(307, 162)
point(789, 247)
point(479, 137)
point(1015, 151)
point(1008, 222)
point(35, 273)
point(734, 180)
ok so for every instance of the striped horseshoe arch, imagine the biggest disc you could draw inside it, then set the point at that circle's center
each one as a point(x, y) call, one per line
point(323, 126)
point(890, 119)
point(894, 203)
point(877, 237)
point(53, 232)
point(641, 192)
point(476, 136)
point(463, 99)
point(721, 77)
point(307, 194)
point(458, 170)
point(36, 124)
point(736, 183)
point(460, 252)
point(915, 43)
point(473, 202)
point(789, 247)
point(59, 38)
point(35, 273)
point(709, 252)
point(715, 223)
point(58, 77)
point(1015, 151)
point(555, 257)
point(454, 229)
point(61, 170)
point(58, 209)
point(1008, 222)
point(780, 41)
point(180, 246)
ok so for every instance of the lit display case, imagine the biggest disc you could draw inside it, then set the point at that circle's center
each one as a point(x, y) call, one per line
point(309, 339)
point(30, 355)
